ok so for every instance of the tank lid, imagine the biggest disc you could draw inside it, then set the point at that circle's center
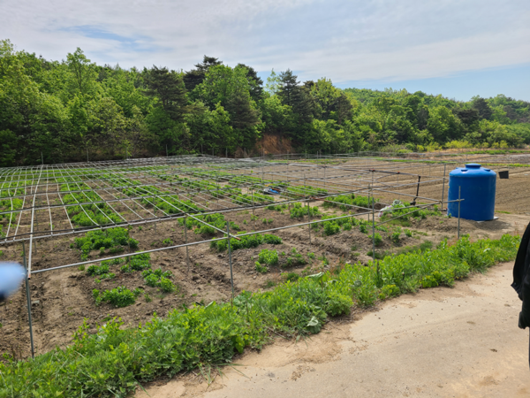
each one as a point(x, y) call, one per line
point(472, 166)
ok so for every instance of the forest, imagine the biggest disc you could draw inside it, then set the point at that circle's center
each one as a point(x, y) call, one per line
point(74, 110)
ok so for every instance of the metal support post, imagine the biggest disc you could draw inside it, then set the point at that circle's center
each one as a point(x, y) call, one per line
point(373, 218)
point(253, 205)
point(309, 219)
point(28, 298)
point(459, 190)
point(186, 241)
point(230, 258)
point(443, 188)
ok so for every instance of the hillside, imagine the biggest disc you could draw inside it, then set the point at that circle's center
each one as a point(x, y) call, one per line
point(74, 110)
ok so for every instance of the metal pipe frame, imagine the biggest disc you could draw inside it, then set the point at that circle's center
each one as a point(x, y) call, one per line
point(109, 180)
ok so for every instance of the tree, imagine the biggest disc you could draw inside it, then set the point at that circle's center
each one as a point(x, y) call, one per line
point(109, 125)
point(273, 83)
point(443, 125)
point(288, 87)
point(256, 89)
point(211, 130)
point(8, 148)
point(231, 88)
point(482, 107)
point(83, 72)
point(196, 76)
point(168, 87)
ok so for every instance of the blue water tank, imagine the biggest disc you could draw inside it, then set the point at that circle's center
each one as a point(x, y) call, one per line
point(477, 188)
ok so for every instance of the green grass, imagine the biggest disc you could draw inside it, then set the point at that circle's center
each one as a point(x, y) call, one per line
point(112, 362)
point(427, 245)
point(113, 239)
point(246, 242)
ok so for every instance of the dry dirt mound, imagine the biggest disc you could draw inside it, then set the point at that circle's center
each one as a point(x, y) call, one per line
point(274, 144)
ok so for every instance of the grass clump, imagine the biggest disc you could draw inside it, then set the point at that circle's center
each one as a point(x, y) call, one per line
point(215, 220)
point(113, 238)
point(295, 259)
point(342, 202)
point(139, 262)
point(269, 257)
point(396, 236)
point(119, 296)
point(260, 268)
point(377, 238)
point(422, 247)
point(159, 278)
point(299, 211)
point(399, 209)
point(246, 242)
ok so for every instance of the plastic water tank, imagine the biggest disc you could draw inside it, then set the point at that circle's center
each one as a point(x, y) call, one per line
point(477, 188)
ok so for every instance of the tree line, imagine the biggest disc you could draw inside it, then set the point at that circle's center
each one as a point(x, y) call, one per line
point(73, 110)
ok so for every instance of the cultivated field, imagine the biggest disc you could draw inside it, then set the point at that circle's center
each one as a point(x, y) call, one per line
point(170, 209)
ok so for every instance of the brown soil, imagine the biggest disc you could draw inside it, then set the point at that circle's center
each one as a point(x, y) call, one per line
point(274, 144)
point(62, 299)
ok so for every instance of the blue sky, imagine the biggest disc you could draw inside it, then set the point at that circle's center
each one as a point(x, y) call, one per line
point(457, 48)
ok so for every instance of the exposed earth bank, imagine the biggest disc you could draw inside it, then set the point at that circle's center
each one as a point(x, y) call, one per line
point(441, 342)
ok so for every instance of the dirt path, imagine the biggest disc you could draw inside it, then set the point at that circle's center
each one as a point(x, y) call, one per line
point(459, 342)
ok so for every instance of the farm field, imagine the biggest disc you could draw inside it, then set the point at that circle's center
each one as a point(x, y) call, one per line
point(80, 215)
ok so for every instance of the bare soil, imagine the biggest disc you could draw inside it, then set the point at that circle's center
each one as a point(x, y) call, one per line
point(62, 299)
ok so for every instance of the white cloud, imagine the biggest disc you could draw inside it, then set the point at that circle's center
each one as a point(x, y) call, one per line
point(340, 39)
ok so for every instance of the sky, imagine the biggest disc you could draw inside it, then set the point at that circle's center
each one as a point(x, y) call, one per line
point(457, 48)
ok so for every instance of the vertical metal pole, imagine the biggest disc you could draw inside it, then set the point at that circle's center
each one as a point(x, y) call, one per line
point(186, 240)
point(373, 218)
point(28, 298)
point(325, 181)
point(309, 218)
point(230, 258)
point(253, 215)
point(459, 190)
point(397, 184)
point(443, 189)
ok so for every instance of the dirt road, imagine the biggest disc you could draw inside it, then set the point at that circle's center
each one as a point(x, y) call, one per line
point(459, 342)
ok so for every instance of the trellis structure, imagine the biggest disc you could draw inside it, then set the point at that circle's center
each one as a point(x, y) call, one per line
point(48, 201)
